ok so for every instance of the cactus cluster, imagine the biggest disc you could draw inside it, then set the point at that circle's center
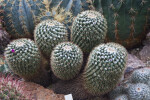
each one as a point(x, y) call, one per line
point(66, 60)
point(12, 89)
point(88, 30)
point(104, 68)
point(106, 62)
point(128, 20)
point(136, 88)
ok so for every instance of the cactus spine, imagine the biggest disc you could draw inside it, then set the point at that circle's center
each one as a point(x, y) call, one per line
point(104, 68)
point(66, 60)
point(88, 30)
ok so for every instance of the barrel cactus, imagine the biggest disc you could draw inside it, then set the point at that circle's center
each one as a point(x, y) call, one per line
point(12, 89)
point(66, 60)
point(88, 30)
point(104, 69)
point(127, 20)
point(139, 91)
point(4, 39)
point(24, 59)
point(48, 34)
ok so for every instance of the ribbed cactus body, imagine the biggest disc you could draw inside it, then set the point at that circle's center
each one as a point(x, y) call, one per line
point(66, 60)
point(23, 57)
point(20, 16)
point(127, 20)
point(139, 91)
point(141, 76)
point(104, 68)
point(88, 30)
point(4, 39)
point(48, 34)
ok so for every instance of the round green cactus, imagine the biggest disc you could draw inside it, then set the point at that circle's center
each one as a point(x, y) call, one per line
point(122, 97)
point(48, 34)
point(139, 91)
point(104, 68)
point(66, 60)
point(140, 75)
point(88, 30)
point(24, 59)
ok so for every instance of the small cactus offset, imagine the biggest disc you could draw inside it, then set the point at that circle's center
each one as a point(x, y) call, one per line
point(66, 60)
point(139, 91)
point(127, 20)
point(48, 34)
point(20, 16)
point(11, 89)
point(24, 59)
point(4, 39)
point(104, 68)
point(141, 76)
point(88, 30)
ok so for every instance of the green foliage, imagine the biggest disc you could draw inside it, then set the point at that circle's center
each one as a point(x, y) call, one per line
point(66, 60)
point(104, 68)
point(88, 30)
point(48, 34)
point(127, 20)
